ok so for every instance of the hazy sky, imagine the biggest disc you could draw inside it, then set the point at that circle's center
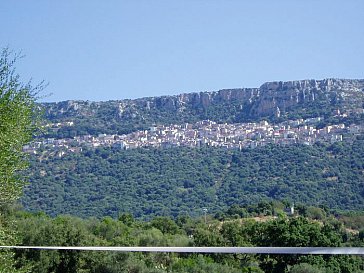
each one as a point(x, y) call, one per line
point(103, 50)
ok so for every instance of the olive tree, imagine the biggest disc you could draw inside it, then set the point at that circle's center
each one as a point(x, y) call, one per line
point(18, 122)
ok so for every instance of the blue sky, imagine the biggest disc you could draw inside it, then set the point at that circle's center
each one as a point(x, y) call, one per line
point(105, 50)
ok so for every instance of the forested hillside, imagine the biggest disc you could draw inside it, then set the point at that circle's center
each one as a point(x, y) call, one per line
point(171, 182)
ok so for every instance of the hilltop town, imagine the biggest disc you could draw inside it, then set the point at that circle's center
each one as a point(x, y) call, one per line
point(203, 133)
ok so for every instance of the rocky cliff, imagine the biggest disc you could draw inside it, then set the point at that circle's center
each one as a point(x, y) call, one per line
point(272, 99)
point(287, 95)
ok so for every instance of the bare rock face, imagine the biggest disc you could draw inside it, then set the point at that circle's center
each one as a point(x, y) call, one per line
point(258, 102)
point(68, 108)
point(206, 99)
point(201, 100)
point(266, 99)
point(288, 94)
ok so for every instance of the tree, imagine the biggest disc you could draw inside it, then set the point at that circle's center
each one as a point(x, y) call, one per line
point(293, 232)
point(18, 121)
point(305, 268)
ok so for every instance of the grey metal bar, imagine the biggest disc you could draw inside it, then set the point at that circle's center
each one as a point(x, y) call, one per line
point(245, 250)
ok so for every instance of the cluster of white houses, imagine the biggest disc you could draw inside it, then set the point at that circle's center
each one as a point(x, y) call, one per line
point(207, 133)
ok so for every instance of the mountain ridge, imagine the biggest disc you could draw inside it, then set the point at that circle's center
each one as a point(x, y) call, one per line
point(273, 101)
point(266, 85)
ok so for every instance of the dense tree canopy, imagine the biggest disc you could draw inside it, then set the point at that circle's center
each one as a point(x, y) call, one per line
point(169, 182)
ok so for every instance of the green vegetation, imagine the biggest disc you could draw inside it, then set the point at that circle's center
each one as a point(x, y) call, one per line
point(171, 182)
point(40, 229)
point(17, 125)
point(18, 113)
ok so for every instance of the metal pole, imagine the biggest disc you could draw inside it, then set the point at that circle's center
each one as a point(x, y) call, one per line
point(205, 212)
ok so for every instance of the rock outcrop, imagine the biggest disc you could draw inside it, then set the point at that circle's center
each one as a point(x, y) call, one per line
point(270, 99)
point(286, 95)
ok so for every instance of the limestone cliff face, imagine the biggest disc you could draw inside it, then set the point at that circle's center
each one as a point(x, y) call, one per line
point(201, 99)
point(263, 101)
point(285, 95)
